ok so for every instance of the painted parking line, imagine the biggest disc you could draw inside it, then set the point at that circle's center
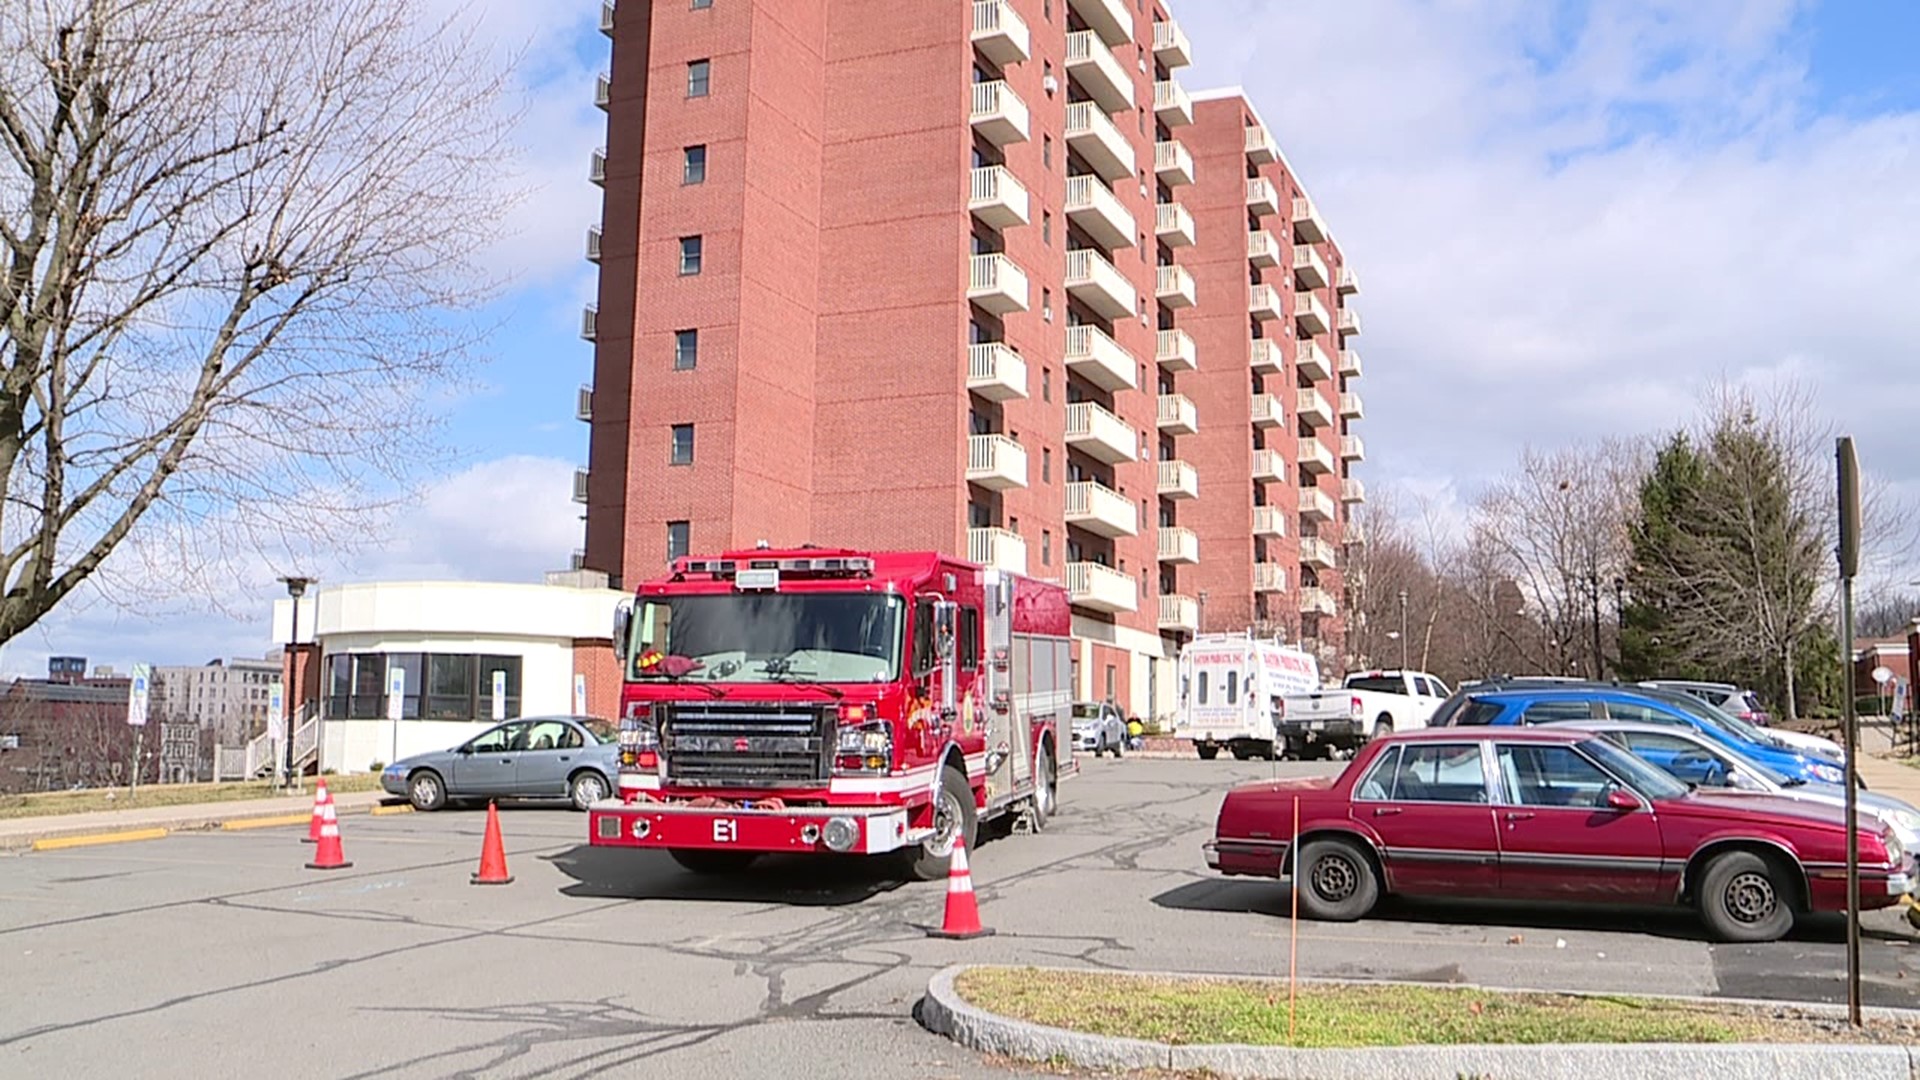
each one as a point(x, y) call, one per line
point(60, 843)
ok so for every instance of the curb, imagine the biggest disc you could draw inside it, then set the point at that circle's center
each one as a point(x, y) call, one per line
point(226, 817)
point(57, 843)
point(944, 1012)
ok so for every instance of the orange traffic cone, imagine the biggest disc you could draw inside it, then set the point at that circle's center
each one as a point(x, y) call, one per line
point(963, 911)
point(493, 853)
point(321, 799)
point(327, 853)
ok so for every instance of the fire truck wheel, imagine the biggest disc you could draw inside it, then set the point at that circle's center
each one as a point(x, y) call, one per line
point(1044, 790)
point(701, 861)
point(955, 810)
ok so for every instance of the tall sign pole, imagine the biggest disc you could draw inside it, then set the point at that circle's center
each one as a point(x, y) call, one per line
point(138, 697)
point(1848, 469)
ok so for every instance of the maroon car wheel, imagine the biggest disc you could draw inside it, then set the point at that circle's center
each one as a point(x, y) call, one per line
point(1745, 897)
point(1336, 881)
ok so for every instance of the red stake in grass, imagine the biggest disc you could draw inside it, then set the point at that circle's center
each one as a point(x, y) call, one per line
point(1293, 926)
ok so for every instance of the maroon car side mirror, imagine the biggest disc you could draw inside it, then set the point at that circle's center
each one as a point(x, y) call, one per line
point(1622, 799)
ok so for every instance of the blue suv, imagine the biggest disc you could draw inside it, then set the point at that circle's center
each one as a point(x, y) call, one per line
point(1546, 703)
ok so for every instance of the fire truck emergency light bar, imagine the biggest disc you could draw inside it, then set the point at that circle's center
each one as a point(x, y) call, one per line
point(819, 567)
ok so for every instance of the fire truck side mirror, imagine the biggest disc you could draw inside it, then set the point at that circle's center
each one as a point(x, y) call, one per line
point(622, 622)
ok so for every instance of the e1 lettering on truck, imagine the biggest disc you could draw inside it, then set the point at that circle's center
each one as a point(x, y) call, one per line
point(834, 701)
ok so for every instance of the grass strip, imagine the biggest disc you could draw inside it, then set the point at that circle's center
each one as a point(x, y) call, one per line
point(45, 804)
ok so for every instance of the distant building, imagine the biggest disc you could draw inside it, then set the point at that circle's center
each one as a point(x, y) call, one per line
point(66, 668)
point(225, 697)
point(68, 732)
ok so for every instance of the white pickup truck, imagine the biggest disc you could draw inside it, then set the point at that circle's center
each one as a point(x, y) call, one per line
point(1365, 705)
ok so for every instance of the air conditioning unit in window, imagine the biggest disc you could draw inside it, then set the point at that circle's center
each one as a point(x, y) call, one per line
point(1050, 84)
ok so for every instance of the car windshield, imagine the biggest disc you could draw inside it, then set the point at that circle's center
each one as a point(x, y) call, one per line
point(1645, 778)
point(769, 637)
point(1728, 722)
point(604, 732)
point(1086, 712)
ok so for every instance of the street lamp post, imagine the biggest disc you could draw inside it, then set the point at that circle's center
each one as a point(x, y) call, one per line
point(296, 588)
point(1599, 654)
point(1403, 629)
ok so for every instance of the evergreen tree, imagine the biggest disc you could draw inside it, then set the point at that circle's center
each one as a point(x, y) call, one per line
point(1648, 646)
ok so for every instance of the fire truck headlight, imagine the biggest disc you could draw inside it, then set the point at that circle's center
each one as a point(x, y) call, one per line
point(841, 834)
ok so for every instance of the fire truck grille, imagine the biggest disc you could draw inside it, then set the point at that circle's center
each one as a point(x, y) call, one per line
point(730, 745)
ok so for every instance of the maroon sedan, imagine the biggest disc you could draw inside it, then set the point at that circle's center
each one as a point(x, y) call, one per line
point(1548, 814)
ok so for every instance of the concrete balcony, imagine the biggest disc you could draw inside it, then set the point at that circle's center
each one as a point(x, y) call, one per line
point(1171, 103)
point(1310, 314)
point(1350, 363)
point(1101, 435)
point(1266, 411)
point(997, 199)
point(597, 167)
point(1111, 18)
point(1307, 225)
point(1101, 588)
point(1269, 521)
point(1178, 545)
point(1000, 33)
point(1098, 141)
point(1351, 406)
point(1261, 198)
point(1098, 509)
point(606, 17)
point(1261, 149)
point(1269, 578)
point(1176, 351)
point(603, 90)
point(1263, 250)
point(1316, 553)
point(1100, 360)
point(1177, 415)
point(593, 243)
point(1170, 45)
point(1347, 281)
point(1315, 505)
point(996, 462)
point(1349, 322)
point(1309, 269)
point(998, 113)
point(997, 548)
point(1314, 456)
point(590, 322)
point(1353, 448)
point(1179, 615)
point(1353, 490)
point(1264, 303)
point(1316, 601)
point(1098, 211)
point(1098, 72)
point(996, 372)
point(1173, 225)
point(996, 284)
point(1267, 356)
point(1099, 284)
point(1268, 465)
point(1174, 287)
point(1178, 480)
point(1313, 408)
point(1173, 163)
point(1311, 360)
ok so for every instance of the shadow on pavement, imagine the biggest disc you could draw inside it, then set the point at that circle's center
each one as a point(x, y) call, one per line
point(1272, 898)
point(801, 881)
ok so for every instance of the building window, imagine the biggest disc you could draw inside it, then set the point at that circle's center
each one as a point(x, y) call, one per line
point(702, 5)
point(691, 250)
point(1046, 465)
point(698, 73)
point(693, 169)
point(438, 686)
point(1046, 151)
point(1046, 384)
point(1110, 680)
point(1046, 305)
point(677, 538)
point(686, 350)
point(1046, 547)
point(682, 445)
point(1046, 228)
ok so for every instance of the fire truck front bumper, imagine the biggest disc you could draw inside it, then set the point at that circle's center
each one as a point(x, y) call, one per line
point(864, 830)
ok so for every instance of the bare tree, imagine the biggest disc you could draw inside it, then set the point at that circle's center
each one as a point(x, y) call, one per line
point(233, 235)
point(1557, 529)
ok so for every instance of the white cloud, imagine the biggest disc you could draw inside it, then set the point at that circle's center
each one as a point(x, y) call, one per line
point(1567, 229)
point(507, 519)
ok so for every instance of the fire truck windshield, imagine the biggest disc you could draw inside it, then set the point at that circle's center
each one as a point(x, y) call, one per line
point(769, 637)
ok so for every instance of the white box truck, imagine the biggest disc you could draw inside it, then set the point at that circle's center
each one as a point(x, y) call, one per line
point(1232, 692)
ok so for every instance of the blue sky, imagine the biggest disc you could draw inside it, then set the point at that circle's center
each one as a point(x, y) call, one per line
point(1569, 219)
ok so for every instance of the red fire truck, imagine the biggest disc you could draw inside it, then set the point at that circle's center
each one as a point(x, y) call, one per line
point(835, 701)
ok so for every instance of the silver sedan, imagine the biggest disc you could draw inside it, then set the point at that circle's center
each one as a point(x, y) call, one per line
point(538, 757)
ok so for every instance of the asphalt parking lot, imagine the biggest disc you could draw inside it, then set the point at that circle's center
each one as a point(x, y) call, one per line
point(216, 954)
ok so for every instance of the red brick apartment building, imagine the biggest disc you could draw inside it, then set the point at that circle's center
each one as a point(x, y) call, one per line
point(972, 276)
